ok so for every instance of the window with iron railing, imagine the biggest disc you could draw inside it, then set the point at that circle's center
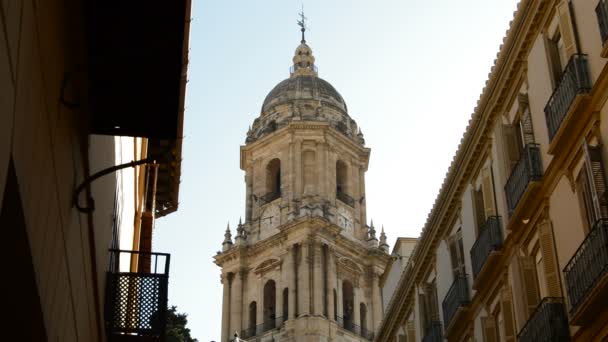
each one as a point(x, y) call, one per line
point(574, 80)
point(601, 12)
point(488, 240)
point(528, 169)
point(136, 301)
point(457, 296)
point(548, 323)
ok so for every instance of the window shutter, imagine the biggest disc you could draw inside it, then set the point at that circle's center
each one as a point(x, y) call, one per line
point(461, 265)
point(433, 303)
point(506, 308)
point(423, 313)
point(512, 150)
point(488, 192)
point(565, 27)
point(519, 301)
point(530, 293)
point(597, 181)
point(453, 254)
point(584, 199)
point(489, 330)
point(411, 332)
point(479, 209)
point(525, 120)
point(549, 260)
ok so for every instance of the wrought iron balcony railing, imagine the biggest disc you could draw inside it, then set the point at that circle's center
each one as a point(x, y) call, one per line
point(263, 327)
point(489, 240)
point(269, 197)
point(575, 80)
point(602, 19)
point(346, 199)
point(548, 323)
point(136, 302)
point(588, 265)
point(352, 327)
point(528, 169)
point(433, 333)
point(457, 296)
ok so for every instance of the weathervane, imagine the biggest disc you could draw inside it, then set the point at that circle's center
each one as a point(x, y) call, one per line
point(302, 24)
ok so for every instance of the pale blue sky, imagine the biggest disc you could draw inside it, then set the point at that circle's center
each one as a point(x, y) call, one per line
point(410, 71)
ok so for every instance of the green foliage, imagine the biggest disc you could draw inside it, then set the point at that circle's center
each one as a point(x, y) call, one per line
point(176, 327)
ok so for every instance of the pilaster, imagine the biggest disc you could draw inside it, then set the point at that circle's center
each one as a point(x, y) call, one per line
point(226, 280)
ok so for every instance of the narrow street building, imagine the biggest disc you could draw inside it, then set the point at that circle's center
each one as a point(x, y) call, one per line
point(516, 245)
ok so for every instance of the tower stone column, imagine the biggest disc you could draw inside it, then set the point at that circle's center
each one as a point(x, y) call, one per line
point(236, 303)
point(318, 290)
point(304, 280)
point(376, 302)
point(340, 306)
point(357, 305)
point(331, 284)
point(293, 275)
point(226, 280)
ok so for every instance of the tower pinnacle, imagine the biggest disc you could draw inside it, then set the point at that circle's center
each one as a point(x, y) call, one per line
point(302, 24)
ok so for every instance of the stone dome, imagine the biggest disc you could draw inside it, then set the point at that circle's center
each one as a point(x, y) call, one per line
point(304, 96)
point(304, 87)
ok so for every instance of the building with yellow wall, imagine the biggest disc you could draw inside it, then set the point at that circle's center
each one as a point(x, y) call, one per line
point(516, 245)
point(88, 87)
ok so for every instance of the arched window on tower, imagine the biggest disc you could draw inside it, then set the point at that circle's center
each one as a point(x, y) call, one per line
point(269, 305)
point(363, 317)
point(342, 184)
point(253, 309)
point(273, 181)
point(348, 305)
point(285, 303)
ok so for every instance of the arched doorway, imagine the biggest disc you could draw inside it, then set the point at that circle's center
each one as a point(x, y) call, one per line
point(269, 305)
point(285, 304)
point(348, 305)
point(363, 316)
point(253, 310)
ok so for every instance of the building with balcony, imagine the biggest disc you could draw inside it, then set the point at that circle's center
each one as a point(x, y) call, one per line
point(304, 265)
point(515, 247)
point(88, 161)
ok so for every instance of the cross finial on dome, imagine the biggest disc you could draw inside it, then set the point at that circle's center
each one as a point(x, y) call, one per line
point(302, 24)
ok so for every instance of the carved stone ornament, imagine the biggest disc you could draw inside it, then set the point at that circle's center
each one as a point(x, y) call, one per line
point(267, 266)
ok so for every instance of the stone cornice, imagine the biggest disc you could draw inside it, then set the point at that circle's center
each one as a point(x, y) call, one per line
point(317, 225)
point(294, 126)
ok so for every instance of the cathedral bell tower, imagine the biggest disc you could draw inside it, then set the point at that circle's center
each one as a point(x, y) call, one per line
point(304, 266)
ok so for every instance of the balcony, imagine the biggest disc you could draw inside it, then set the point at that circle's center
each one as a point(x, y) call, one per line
point(433, 333)
point(269, 197)
point(136, 302)
point(586, 275)
point(488, 243)
point(346, 199)
point(262, 328)
point(575, 80)
point(352, 327)
point(602, 19)
point(548, 323)
point(528, 169)
point(455, 300)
